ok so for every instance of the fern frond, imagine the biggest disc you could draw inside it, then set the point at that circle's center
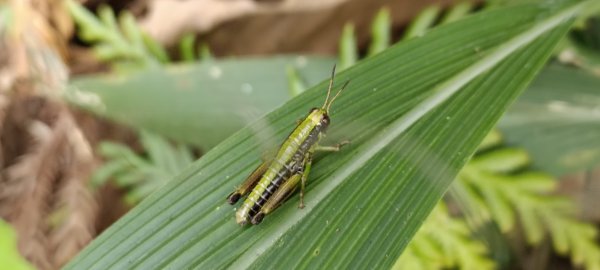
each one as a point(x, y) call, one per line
point(119, 42)
point(141, 175)
point(444, 242)
point(513, 194)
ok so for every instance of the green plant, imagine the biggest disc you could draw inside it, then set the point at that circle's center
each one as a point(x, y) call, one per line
point(9, 255)
point(444, 242)
point(190, 52)
point(496, 186)
point(123, 43)
point(500, 197)
point(141, 175)
point(455, 234)
point(385, 180)
point(556, 120)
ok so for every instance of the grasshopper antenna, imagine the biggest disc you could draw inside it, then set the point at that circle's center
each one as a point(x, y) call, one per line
point(336, 95)
point(330, 86)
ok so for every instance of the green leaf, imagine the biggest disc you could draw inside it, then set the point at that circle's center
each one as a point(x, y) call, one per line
point(204, 52)
point(415, 113)
point(123, 44)
point(201, 104)
point(108, 169)
point(491, 139)
point(557, 121)
point(348, 49)
point(187, 50)
point(457, 12)
point(295, 84)
point(559, 144)
point(9, 254)
point(422, 23)
point(141, 175)
point(447, 241)
point(156, 49)
point(380, 32)
point(504, 160)
point(491, 177)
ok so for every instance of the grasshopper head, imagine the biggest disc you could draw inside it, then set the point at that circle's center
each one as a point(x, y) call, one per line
point(320, 117)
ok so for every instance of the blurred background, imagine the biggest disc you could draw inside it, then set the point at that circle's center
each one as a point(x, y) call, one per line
point(103, 102)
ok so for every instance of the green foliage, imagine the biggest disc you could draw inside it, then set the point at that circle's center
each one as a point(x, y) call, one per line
point(582, 48)
point(122, 43)
point(348, 50)
point(141, 175)
point(380, 32)
point(295, 84)
point(500, 196)
point(6, 18)
point(444, 242)
point(457, 12)
point(199, 104)
point(9, 255)
point(422, 23)
point(204, 52)
point(155, 48)
point(557, 121)
point(187, 48)
point(494, 187)
point(440, 115)
point(496, 183)
point(432, 242)
point(189, 51)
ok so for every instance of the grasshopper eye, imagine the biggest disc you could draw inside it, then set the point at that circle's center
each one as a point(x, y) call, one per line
point(325, 120)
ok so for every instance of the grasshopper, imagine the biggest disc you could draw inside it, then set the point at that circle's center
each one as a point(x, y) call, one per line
point(273, 181)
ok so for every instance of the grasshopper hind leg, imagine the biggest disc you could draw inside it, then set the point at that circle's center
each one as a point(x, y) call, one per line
point(249, 184)
point(286, 190)
point(277, 198)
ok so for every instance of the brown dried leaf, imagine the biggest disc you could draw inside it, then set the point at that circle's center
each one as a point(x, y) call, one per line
point(202, 16)
point(4, 103)
point(28, 187)
point(76, 228)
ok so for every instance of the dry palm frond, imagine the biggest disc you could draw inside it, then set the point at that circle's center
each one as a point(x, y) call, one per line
point(45, 195)
point(26, 191)
point(74, 203)
point(45, 158)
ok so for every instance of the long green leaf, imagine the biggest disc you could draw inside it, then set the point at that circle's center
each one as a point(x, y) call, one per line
point(415, 113)
point(199, 104)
